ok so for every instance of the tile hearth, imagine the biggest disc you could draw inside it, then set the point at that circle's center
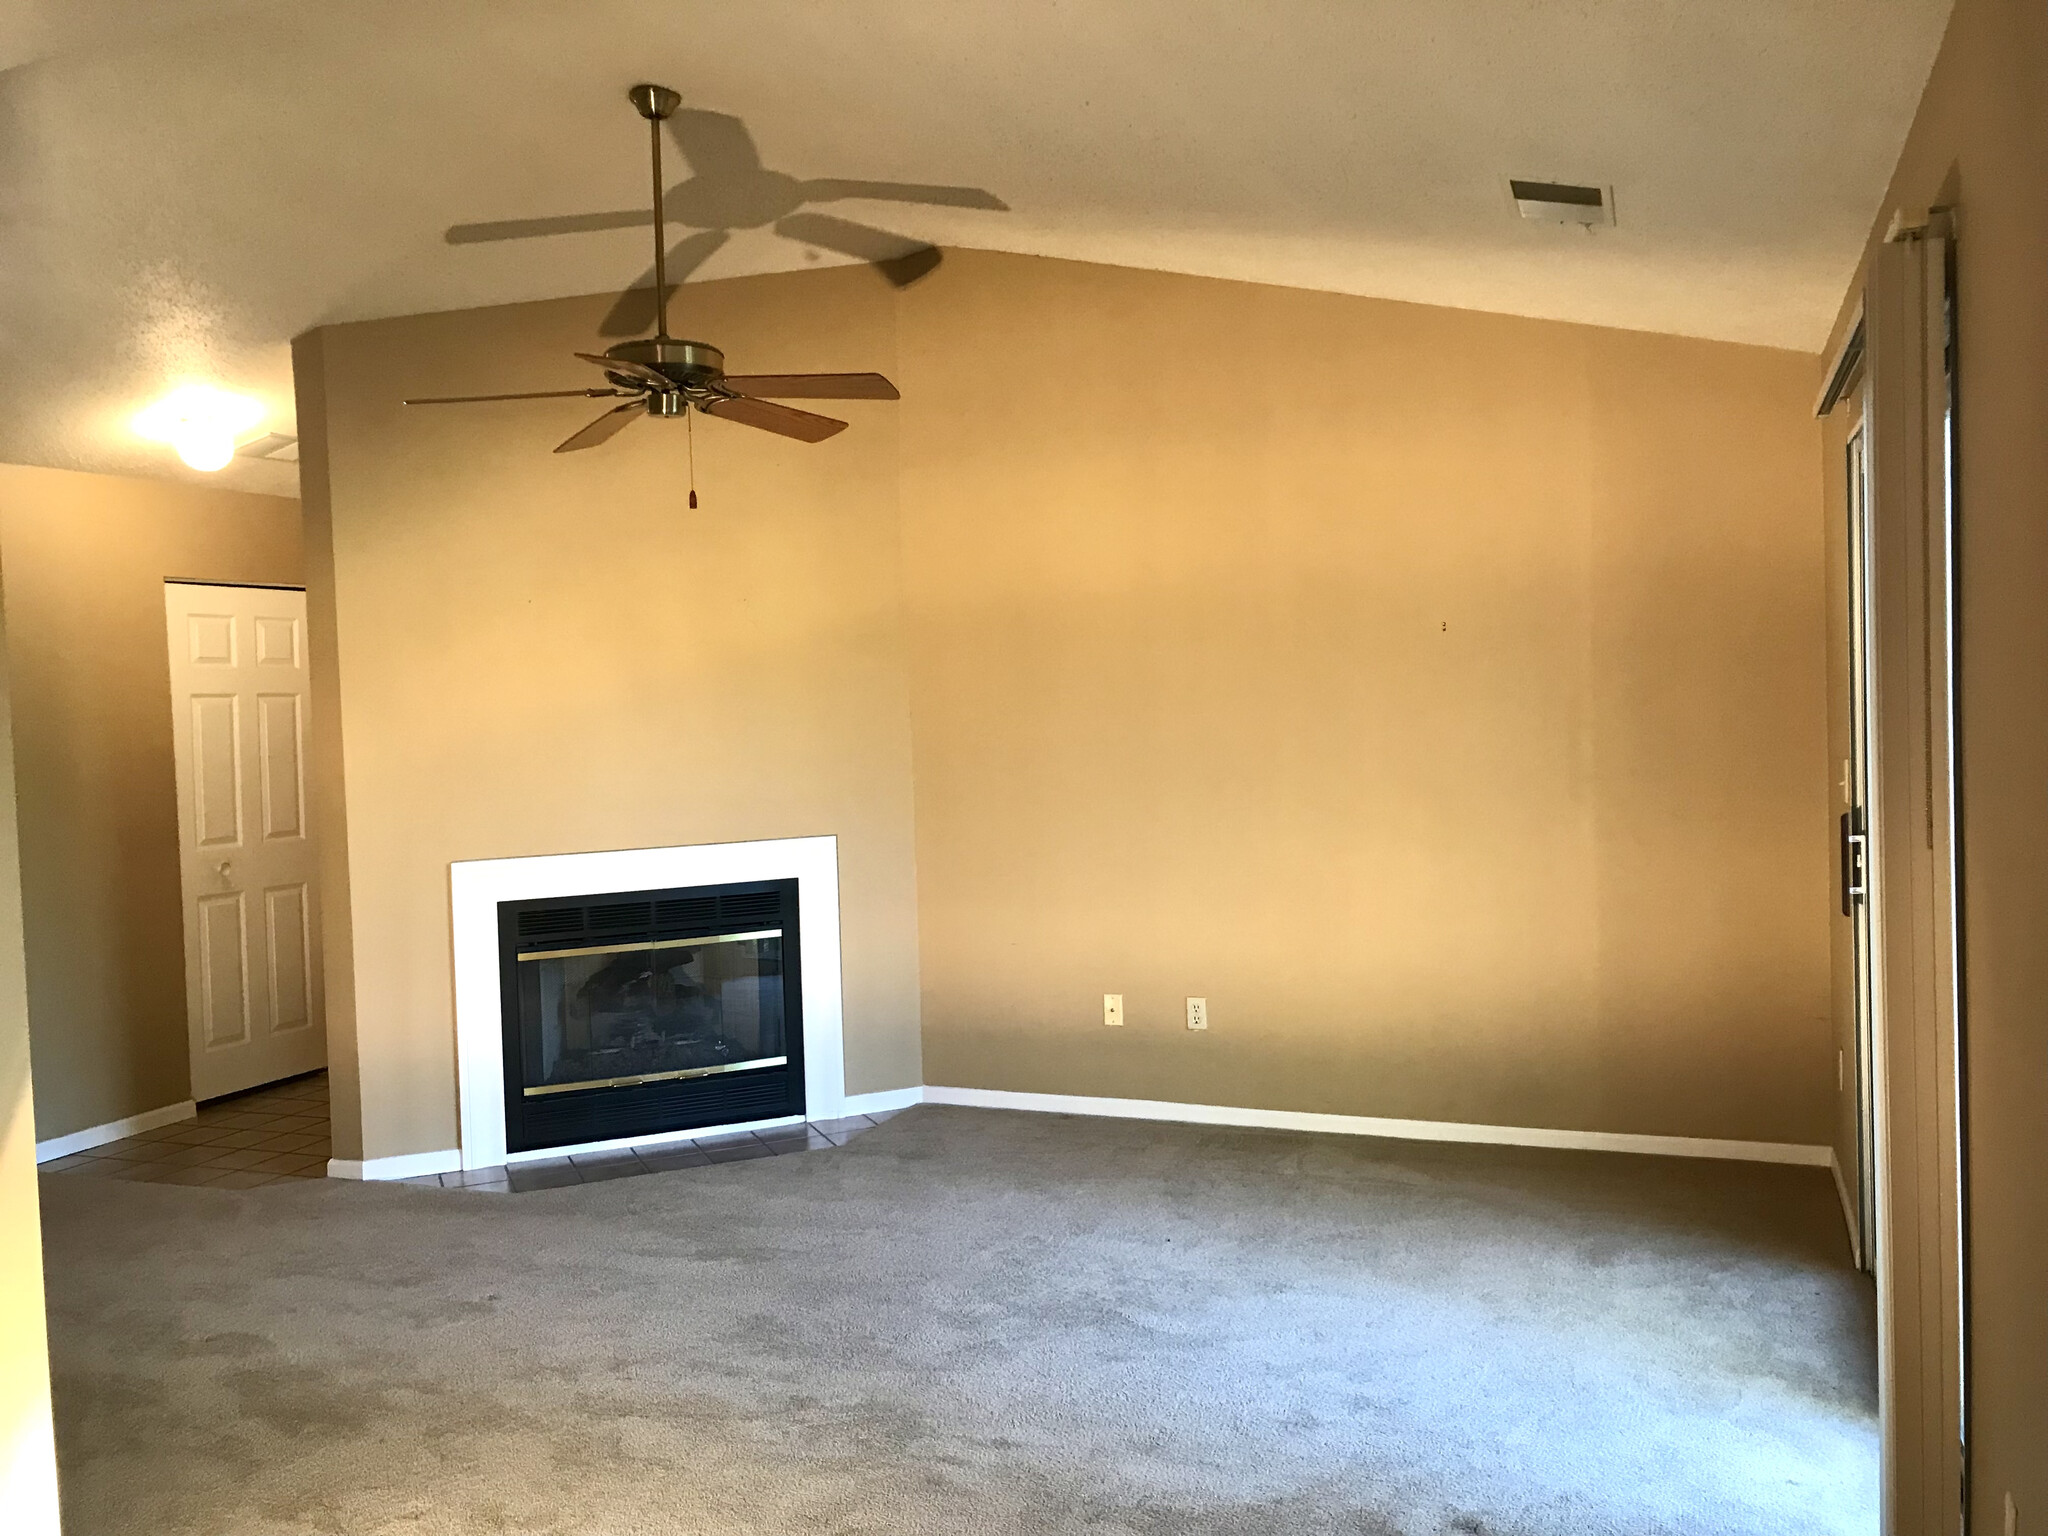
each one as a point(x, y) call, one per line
point(698, 1152)
point(279, 1132)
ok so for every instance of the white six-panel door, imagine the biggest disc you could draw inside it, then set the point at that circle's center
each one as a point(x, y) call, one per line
point(252, 921)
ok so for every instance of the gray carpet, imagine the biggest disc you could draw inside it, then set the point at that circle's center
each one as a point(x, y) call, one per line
point(973, 1322)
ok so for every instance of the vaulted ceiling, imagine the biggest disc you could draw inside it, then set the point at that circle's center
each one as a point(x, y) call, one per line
point(186, 184)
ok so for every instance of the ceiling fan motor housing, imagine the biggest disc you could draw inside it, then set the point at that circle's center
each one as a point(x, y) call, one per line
point(686, 364)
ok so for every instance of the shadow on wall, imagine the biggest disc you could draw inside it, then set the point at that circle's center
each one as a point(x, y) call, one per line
point(728, 189)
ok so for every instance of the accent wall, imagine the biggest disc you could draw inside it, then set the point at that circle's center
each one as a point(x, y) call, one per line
point(1439, 694)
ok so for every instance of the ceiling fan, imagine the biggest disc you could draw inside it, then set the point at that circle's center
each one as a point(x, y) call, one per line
point(661, 376)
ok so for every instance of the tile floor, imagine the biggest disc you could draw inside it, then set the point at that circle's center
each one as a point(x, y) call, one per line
point(264, 1136)
point(279, 1131)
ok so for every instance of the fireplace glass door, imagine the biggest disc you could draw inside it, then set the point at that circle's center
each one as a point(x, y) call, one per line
point(608, 1016)
point(638, 1013)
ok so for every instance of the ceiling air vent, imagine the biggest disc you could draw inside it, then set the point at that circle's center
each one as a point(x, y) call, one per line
point(1560, 202)
point(280, 446)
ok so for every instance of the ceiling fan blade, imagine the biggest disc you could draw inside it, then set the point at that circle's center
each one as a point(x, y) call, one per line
point(634, 312)
point(566, 224)
point(606, 427)
point(628, 370)
point(811, 386)
point(897, 257)
point(769, 417)
point(538, 394)
point(830, 189)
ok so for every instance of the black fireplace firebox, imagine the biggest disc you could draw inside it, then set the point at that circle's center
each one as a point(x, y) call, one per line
point(638, 1012)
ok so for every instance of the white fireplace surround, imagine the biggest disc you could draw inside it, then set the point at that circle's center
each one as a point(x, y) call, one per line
point(476, 886)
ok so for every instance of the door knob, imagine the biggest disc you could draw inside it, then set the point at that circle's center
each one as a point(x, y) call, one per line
point(226, 868)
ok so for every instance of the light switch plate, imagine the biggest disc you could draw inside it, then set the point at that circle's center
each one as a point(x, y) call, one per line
point(1198, 1013)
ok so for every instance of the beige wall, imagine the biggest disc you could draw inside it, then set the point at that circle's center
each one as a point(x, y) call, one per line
point(542, 654)
point(1980, 144)
point(28, 1451)
point(84, 559)
point(1439, 694)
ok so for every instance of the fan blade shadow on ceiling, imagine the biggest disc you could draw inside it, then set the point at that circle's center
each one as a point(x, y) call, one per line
point(634, 311)
point(566, 224)
point(897, 257)
point(832, 189)
point(730, 189)
point(718, 146)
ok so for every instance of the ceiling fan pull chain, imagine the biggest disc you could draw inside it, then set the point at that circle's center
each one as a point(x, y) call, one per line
point(690, 431)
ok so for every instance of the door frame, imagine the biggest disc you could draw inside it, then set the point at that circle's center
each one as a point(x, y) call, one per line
point(1858, 827)
point(1918, 1237)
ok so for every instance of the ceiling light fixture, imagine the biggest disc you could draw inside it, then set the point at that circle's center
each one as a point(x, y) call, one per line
point(200, 422)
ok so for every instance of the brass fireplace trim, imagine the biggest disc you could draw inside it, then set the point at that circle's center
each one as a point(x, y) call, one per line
point(657, 1077)
point(626, 949)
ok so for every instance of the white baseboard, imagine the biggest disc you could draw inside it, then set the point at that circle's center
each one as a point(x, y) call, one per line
point(114, 1130)
point(417, 1164)
point(882, 1103)
point(1372, 1125)
point(408, 1165)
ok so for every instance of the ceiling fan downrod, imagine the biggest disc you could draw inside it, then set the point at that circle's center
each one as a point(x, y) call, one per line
point(655, 103)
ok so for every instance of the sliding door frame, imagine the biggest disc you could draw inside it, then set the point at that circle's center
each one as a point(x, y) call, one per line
point(1915, 881)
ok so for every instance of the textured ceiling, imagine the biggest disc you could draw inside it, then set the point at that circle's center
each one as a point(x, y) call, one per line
point(186, 184)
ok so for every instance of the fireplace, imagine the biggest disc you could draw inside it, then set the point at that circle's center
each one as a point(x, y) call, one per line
point(487, 977)
point(633, 1013)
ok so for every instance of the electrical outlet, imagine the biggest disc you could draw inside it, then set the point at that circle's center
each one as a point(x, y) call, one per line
point(1113, 1009)
point(1198, 1013)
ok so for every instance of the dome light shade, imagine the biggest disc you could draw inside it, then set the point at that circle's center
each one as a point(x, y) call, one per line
point(200, 422)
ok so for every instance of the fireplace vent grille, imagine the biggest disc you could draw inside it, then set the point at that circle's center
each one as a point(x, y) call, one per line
point(750, 907)
point(621, 916)
point(550, 921)
point(682, 910)
point(729, 912)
